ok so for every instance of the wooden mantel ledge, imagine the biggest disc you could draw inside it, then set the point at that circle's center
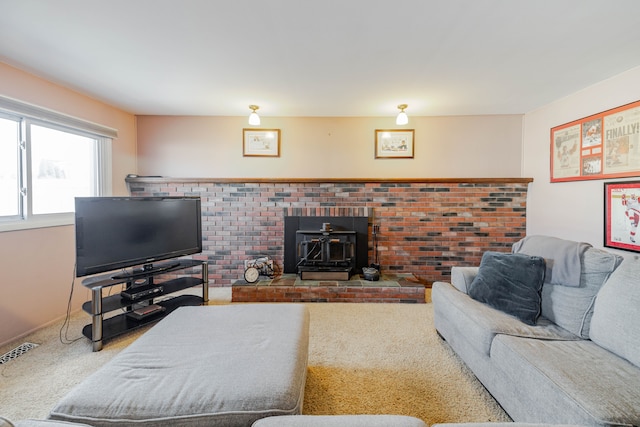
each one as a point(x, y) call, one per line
point(138, 179)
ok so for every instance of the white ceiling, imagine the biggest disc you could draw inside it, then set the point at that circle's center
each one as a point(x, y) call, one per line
point(323, 57)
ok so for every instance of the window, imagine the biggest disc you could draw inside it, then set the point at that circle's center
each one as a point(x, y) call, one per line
point(9, 167)
point(46, 160)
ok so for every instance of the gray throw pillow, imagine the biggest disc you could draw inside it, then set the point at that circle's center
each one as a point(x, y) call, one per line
point(511, 283)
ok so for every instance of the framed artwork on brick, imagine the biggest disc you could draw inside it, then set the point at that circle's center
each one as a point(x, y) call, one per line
point(394, 143)
point(261, 142)
point(622, 215)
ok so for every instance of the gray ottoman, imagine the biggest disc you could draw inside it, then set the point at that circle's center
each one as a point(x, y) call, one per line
point(340, 421)
point(211, 365)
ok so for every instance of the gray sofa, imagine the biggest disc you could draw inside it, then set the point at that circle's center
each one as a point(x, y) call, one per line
point(578, 364)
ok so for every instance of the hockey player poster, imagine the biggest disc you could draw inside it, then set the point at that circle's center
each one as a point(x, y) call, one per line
point(604, 145)
point(622, 215)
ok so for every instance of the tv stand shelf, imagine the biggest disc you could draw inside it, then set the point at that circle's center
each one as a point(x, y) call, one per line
point(101, 328)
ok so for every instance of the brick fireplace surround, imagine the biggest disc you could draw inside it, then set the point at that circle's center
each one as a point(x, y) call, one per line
point(425, 225)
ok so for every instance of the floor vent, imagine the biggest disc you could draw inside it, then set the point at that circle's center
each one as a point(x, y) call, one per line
point(16, 352)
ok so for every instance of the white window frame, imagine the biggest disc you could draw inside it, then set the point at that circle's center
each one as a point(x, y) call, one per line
point(29, 114)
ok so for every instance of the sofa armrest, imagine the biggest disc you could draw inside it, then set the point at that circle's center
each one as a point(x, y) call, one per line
point(461, 277)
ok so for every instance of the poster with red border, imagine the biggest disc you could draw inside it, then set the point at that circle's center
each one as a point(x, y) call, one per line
point(622, 215)
point(604, 145)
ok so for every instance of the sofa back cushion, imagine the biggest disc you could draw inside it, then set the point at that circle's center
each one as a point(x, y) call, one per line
point(562, 257)
point(616, 324)
point(572, 307)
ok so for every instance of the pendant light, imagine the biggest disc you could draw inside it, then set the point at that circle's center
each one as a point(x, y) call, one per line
point(254, 118)
point(402, 118)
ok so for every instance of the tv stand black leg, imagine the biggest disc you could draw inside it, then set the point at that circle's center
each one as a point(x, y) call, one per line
point(205, 282)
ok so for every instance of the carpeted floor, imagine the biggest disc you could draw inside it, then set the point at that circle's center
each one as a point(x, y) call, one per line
point(363, 358)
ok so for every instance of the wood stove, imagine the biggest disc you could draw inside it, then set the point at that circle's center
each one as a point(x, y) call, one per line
point(325, 248)
point(326, 254)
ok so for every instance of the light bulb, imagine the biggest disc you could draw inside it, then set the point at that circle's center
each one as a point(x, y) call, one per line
point(402, 118)
point(254, 118)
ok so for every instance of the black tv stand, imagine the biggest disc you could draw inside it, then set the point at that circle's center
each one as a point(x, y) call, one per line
point(103, 328)
point(146, 270)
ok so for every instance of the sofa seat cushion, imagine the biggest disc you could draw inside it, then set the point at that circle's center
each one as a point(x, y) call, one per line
point(46, 423)
point(511, 283)
point(576, 382)
point(616, 319)
point(225, 365)
point(482, 323)
point(340, 421)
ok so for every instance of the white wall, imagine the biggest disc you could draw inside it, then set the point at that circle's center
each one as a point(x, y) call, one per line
point(571, 210)
point(331, 147)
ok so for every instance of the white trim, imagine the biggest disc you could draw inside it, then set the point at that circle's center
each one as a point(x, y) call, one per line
point(36, 112)
point(104, 162)
point(38, 221)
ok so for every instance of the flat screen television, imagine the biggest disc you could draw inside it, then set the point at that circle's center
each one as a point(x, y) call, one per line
point(119, 232)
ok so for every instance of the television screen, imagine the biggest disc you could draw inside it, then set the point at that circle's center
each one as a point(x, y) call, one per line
point(119, 232)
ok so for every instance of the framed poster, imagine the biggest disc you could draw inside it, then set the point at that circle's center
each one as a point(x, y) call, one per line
point(604, 145)
point(394, 143)
point(261, 142)
point(622, 215)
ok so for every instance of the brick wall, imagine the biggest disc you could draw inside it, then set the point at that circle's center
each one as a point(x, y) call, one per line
point(426, 226)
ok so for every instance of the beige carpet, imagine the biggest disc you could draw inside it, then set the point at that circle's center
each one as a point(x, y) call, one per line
point(364, 358)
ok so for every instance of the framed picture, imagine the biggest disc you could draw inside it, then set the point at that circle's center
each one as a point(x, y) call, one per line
point(604, 145)
point(621, 215)
point(261, 142)
point(394, 144)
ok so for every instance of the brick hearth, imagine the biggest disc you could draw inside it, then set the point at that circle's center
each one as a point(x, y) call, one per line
point(290, 288)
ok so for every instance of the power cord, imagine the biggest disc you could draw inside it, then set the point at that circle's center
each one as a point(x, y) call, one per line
point(65, 325)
